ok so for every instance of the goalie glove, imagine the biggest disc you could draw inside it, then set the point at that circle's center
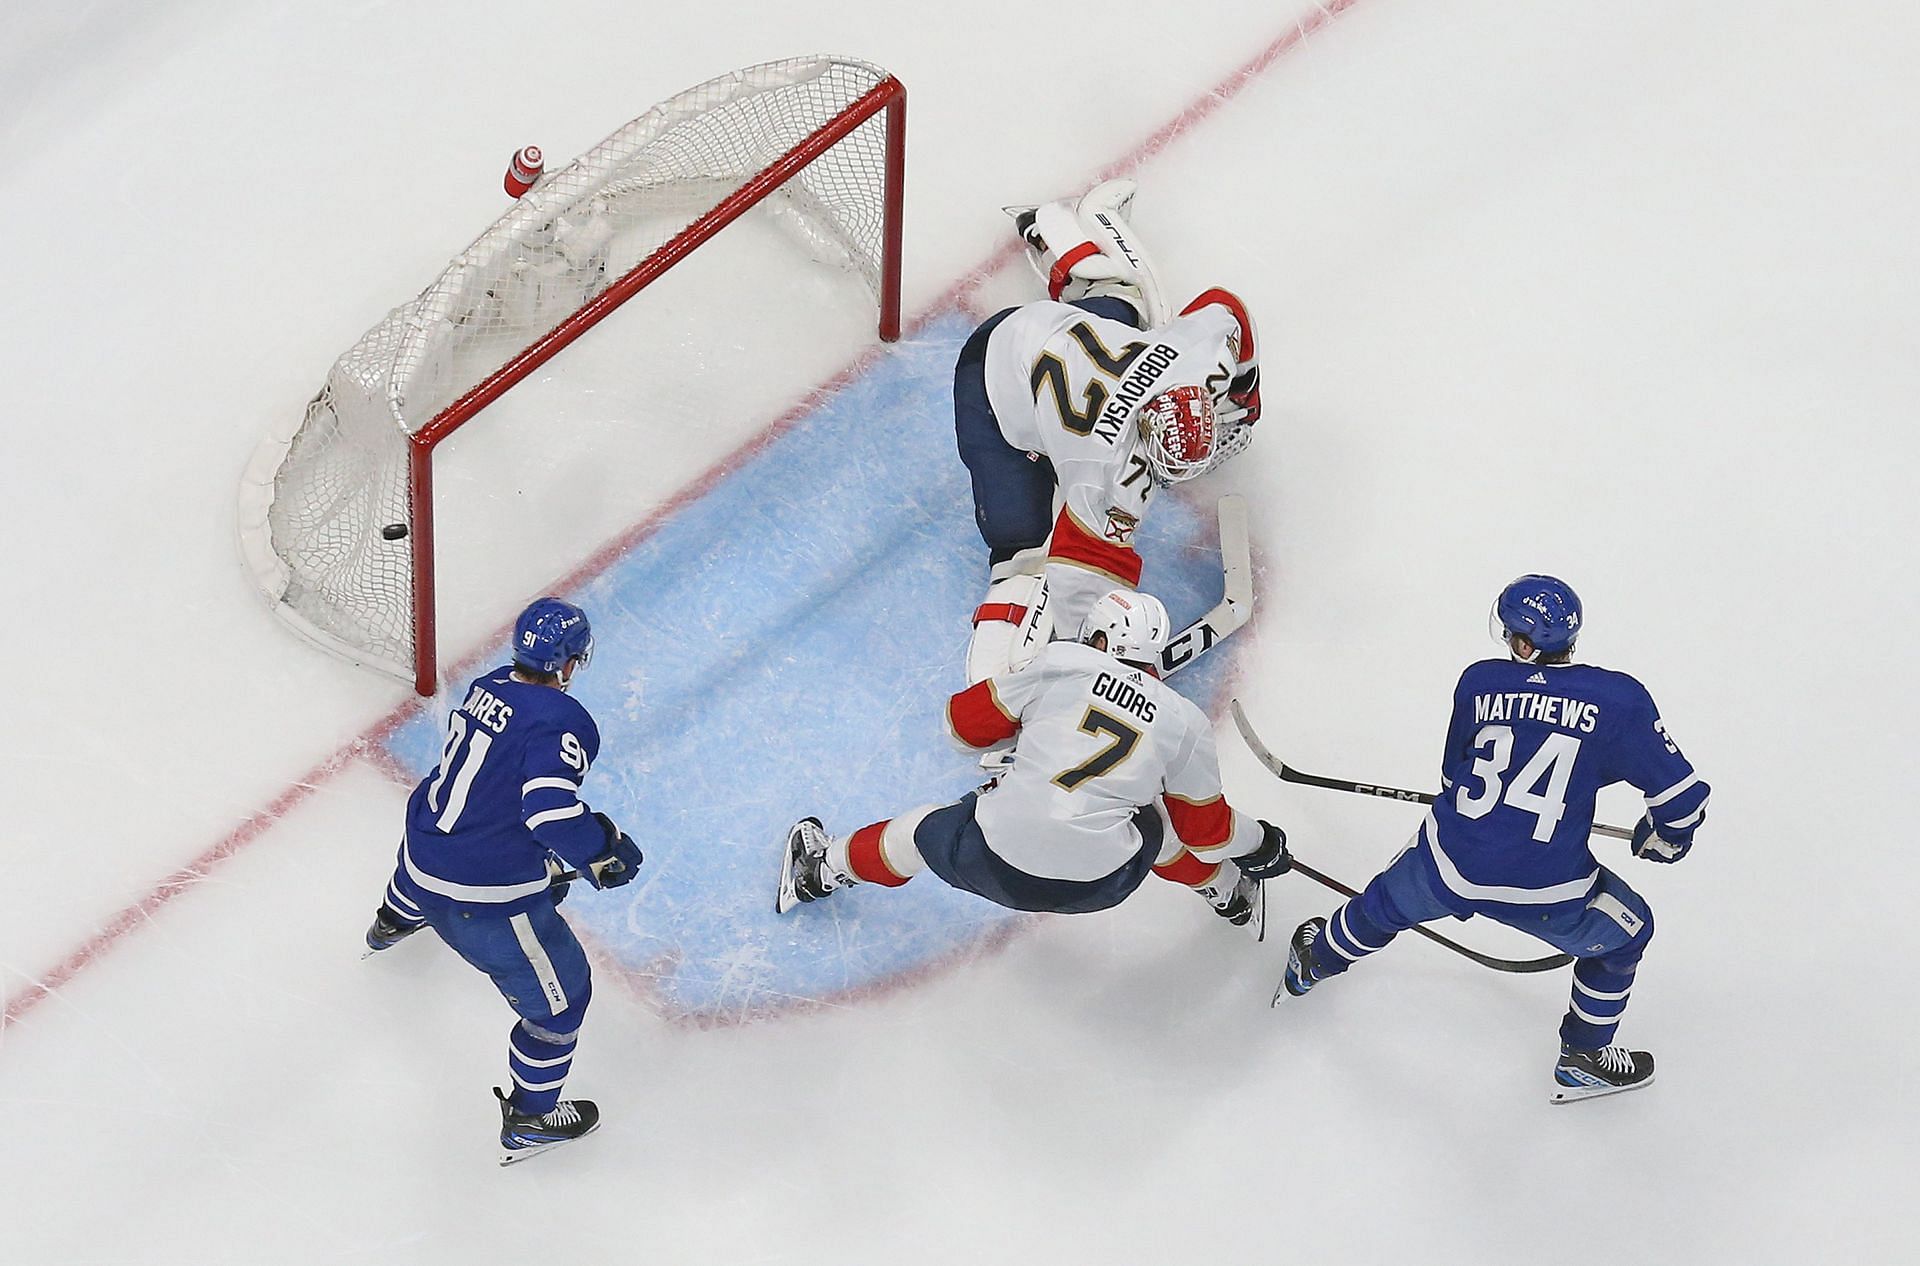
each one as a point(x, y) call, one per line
point(1239, 403)
point(618, 864)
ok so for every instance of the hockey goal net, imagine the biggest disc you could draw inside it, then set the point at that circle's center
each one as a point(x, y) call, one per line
point(336, 510)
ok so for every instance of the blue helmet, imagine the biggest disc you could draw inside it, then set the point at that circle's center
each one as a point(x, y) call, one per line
point(1543, 609)
point(549, 633)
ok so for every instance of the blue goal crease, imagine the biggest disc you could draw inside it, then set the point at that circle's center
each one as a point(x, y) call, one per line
point(825, 587)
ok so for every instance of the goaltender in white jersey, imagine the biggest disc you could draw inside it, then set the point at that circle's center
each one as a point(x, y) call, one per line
point(1071, 411)
point(1113, 774)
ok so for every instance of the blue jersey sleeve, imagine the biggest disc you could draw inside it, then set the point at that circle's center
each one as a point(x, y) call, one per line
point(1459, 730)
point(1652, 762)
point(557, 756)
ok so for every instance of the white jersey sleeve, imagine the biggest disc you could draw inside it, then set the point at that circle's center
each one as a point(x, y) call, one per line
point(1197, 805)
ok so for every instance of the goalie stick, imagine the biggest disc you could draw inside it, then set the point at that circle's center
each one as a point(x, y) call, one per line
point(1267, 758)
point(1235, 607)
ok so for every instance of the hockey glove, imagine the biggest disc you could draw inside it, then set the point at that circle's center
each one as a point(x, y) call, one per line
point(1648, 844)
point(1241, 405)
point(619, 863)
point(1271, 858)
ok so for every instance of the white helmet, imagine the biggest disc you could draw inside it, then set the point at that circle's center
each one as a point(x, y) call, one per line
point(1136, 625)
point(1177, 432)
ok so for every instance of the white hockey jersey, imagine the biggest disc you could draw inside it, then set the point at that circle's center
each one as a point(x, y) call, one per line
point(1095, 741)
point(1070, 385)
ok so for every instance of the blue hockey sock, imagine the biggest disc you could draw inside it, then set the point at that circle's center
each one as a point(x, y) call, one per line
point(404, 906)
point(1599, 1000)
point(1351, 935)
point(538, 1060)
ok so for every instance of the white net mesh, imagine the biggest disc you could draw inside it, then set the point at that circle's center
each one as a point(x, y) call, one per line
point(326, 517)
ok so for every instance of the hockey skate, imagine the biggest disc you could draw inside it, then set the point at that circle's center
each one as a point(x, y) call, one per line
point(1586, 1074)
point(1242, 903)
point(388, 930)
point(804, 873)
point(522, 1134)
point(1303, 965)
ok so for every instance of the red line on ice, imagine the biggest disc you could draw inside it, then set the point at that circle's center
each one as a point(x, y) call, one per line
point(957, 296)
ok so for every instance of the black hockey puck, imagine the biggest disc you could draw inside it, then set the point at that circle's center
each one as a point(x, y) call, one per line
point(394, 531)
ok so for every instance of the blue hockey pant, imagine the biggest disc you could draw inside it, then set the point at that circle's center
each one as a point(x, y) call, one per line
point(1606, 933)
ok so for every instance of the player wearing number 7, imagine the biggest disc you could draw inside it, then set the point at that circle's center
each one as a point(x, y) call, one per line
point(482, 830)
point(1533, 739)
point(1113, 775)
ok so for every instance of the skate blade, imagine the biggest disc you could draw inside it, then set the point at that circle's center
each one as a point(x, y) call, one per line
point(1574, 1094)
point(1257, 925)
point(513, 1156)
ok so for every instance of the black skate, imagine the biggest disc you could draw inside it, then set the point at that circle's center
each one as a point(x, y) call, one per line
point(1023, 218)
point(523, 1134)
point(1243, 904)
point(388, 929)
point(1585, 1074)
point(804, 873)
point(1303, 965)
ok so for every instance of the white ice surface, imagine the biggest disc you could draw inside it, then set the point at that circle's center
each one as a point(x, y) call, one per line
point(1624, 292)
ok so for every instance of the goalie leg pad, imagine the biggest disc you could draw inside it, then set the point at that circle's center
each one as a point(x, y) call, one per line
point(1102, 212)
point(1011, 623)
point(1085, 248)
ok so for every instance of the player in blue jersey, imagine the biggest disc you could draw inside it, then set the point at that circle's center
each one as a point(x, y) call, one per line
point(488, 831)
point(1533, 739)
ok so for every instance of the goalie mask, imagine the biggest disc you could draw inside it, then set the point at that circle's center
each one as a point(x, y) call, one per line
point(1177, 432)
point(1136, 625)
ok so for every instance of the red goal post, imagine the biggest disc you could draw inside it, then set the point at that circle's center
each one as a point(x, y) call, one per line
point(336, 511)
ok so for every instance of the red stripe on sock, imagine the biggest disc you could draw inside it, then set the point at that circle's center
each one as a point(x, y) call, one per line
point(1188, 869)
point(868, 862)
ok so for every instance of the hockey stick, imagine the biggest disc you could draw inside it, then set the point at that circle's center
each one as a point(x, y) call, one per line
point(1290, 774)
point(1267, 758)
point(1235, 607)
